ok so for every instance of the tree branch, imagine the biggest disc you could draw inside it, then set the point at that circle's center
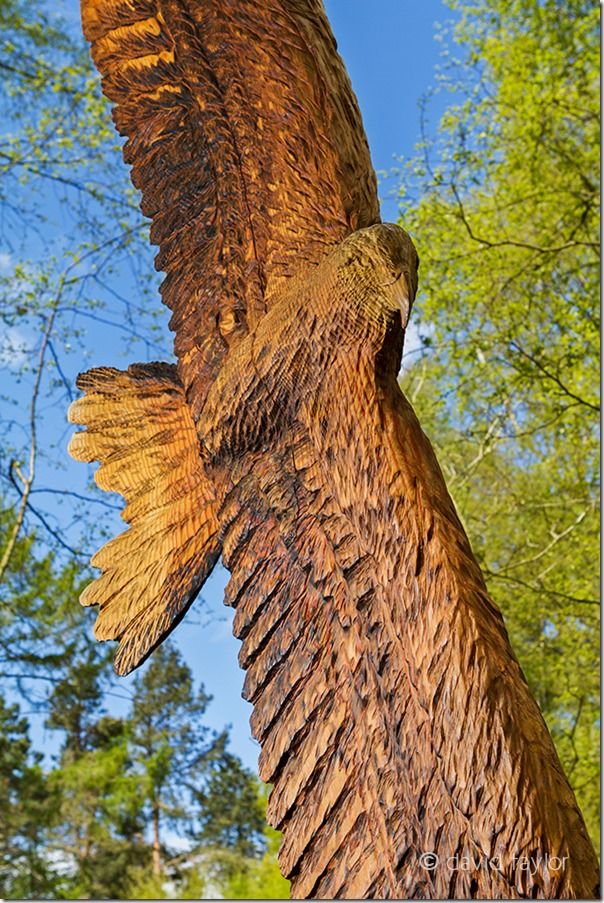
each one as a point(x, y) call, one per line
point(29, 479)
point(508, 242)
point(537, 363)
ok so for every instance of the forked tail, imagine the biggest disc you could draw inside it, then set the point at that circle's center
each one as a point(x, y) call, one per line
point(139, 426)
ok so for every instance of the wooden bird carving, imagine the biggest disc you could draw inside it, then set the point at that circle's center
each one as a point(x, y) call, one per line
point(407, 756)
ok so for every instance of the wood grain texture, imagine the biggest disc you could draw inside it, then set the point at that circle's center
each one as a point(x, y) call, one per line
point(246, 141)
point(393, 716)
point(140, 428)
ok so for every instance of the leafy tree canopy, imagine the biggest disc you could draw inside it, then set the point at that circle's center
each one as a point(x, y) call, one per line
point(503, 204)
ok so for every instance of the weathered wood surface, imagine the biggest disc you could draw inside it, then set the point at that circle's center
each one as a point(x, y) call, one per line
point(394, 720)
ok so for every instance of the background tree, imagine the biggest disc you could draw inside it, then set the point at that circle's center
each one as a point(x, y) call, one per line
point(258, 878)
point(26, 807)
point(74, 255)
point(256, 875)
point(503, 204)
point(503, 207)
point(231, 809)
point(40, 629)
point(172, 746)
point(99, 824)
point(230, 828)
point(75, 702)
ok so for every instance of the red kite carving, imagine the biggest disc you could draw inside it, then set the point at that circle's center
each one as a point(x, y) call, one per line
point(407, 756)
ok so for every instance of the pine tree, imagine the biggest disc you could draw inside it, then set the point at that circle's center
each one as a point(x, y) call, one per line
point(100, 825)
point(26, 810)
point(231, 813)
point(172, 747)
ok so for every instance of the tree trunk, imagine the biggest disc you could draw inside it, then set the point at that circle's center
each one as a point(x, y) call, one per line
point(156, 841)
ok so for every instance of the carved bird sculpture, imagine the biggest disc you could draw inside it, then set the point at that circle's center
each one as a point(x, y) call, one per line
point(407, 756)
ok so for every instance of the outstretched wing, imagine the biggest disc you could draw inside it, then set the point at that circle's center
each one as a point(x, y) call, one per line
point(246, 140)
point(313, 616)
point(138, 425)
point(380, 672)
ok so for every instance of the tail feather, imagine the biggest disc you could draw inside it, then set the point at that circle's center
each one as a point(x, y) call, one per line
point(138, 425)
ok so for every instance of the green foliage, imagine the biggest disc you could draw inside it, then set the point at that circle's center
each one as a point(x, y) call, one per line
point(253, 876)
point(231, 813)
point(171, 746)
point(76, 699)
point(40, 628)
point(503, 205)
point(142, 884)
point(99, 822)
point(259, 879)
point(238, 849)
point(102, 822)
point(26, 806)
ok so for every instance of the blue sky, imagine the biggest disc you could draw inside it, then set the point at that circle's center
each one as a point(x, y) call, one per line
point(390, 52)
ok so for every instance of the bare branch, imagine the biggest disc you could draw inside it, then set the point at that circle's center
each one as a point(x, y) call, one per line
point(29, 479)
point(539, 590)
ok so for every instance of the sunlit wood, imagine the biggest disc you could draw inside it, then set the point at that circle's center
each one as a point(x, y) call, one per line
point(394, 719)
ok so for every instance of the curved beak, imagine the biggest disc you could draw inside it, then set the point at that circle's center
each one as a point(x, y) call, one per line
point(403, 289)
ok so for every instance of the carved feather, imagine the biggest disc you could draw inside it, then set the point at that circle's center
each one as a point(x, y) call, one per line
point(140, 428)
point(246, 141)
point(393, 717)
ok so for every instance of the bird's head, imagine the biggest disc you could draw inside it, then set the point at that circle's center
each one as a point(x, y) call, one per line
point(376, 278)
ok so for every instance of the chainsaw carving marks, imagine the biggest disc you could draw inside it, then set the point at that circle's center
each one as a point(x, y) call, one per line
point(394, 720)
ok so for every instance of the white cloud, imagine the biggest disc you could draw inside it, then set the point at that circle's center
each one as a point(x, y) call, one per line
point(14, 349)
point(5, 260)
